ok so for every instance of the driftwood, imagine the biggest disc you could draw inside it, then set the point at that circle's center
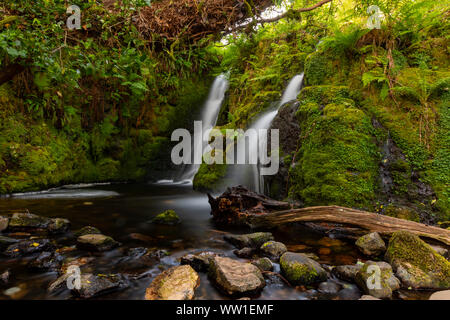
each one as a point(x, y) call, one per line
point(239, 206)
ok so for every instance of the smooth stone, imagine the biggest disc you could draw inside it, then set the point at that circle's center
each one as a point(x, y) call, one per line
point(199, 261)
point(264, 264)
point(301, 270)
point(234, 277)
point(367, 297)
point(273, 250)
point(251, 240)
point(346, 272)
point(440, 295)
point(329, 287)
point(96, 242)
point(87, 230)
point(384, 286)
point(246, 253)
point(95, 285)
point(371, 244)
point(28, 247)
point(176, 283)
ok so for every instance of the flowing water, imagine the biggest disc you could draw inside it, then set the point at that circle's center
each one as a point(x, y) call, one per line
point(249, 174)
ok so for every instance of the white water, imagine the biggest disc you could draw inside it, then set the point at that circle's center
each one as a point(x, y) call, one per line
point(209, 116)
point(249, 174)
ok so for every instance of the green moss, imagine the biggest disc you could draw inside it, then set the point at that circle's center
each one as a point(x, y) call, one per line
point(402, 213)
point(168, 217)
point(209, 177)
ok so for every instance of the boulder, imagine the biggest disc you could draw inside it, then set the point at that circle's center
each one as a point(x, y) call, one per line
point(346, 272)
point(235, 278)
point(47, 260)
point(199, 261)
point(87, 230)
point(168, 217)
point(371, 244)
point(440, 295)
point(264, 264)
point(58, 225)
point(25, 220)
point(27, 247)
point(246, 253)
point(273, 250)
point(96, 242)
point(416, 264)
point(176, 283)
point(301, 270)
point(377, 279)
point(4, 221)
point(252, 240)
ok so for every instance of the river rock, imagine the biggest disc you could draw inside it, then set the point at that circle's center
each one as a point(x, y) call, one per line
point(47, 261)
point(329, 287)
point(58, 225)
point(371, 244)
point(346, 272)
point(440, 295)
point(349, 292)
point(246, 253)
point(416, 263)
point(4, 221)
point(168, 217)
point(94, 285)
point(235, 278)
point(301, 270)
point(252, 240)
point(96, 242)
point(25, 220)
point(87, 230)
point(28, 247)
point(176, 283)
point(264, 264)
point(367, 297)
point(199, 261)
point(380, 286)
point(273, 250)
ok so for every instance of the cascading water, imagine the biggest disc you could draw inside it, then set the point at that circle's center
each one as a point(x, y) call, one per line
point(209, 117)
point(249, 174)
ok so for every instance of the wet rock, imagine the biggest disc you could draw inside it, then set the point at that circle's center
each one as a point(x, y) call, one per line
point(311, 255)
point(235, 278)
point(4, 221)
point(252, 240)
point(5, 276)
point(367, 297)
point(27, 247)
point(168, 217)
point(371, 244)
point(59, 225)
point(349, 292)
point(24, 220)
point(273, 250)
point(94, 285)
point(176, 283)
point(79, 262)
point(301, 270)
point(346, 272)
point(440, 295)
point(87, 230)
point(6, 241)
point(47, 261)
point(96, 242)
point(264, 264)
point(329, 287)
point(416, 264)
point(377, 279)
point(245, 253)
point(199, 261)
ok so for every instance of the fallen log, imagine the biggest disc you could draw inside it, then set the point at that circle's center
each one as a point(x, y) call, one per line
point(239, 206)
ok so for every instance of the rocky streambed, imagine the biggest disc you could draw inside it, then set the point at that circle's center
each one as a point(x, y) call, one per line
point(128, 251)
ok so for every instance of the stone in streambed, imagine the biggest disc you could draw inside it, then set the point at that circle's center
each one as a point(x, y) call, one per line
point(264, 264)
point(301, 270)
point(416, 264)
point(377, 279)
point(245, 253)
point(58, 225)
point(24, 220)
point(94, 285)
point(273, 250)
point(96, 242)
point(346, 272)
point(47, 260)
point(251, 240)
point(176, 283)
point(235, 278)
point(329, 287)
point(87, 230)
point(4, 221)
point(199, 261)
point(371, 244)
point(349, 292)
point(27, 247)
point(168, 217)
point(440, 295)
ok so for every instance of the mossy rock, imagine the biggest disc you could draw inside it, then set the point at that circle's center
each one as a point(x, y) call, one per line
point(168, 217)
point(96, 242)
point(402, 213)
point(209, 177)
point(301, 270)
point(87, 230)
point(377, 284)
point(251, 240)
point(417, 264)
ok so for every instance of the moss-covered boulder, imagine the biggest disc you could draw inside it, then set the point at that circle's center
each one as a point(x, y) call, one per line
point(377, 279)
point(25, 220)
point(251, 240)
point(176, 283)
point(59, 225)
point(168, 217)
point(96, 242)
point(416, 263)
point(371, 244)
point(87, 230)
point(264, 264)
point(301, 270)
point(273, 249)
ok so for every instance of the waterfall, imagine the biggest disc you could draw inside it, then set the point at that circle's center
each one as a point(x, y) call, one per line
point(209, 117)
point(249, 174)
